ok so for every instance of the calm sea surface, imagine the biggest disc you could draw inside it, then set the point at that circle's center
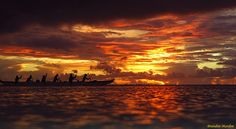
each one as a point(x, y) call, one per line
point(117, 107)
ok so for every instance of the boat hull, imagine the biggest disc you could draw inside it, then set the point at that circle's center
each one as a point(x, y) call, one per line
point(90, 83)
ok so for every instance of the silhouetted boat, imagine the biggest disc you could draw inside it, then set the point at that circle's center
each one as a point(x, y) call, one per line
point(88, 83)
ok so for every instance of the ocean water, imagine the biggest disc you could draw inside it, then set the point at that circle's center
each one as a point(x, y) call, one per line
point(117, 107)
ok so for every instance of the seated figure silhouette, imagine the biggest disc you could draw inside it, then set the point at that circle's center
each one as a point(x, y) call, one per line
point(72, 77)
point(85, 78)
point(17, 78)
point(44, 78)
point(56, 78)
point(29, 79)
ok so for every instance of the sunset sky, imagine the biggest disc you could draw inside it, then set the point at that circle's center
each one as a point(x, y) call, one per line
point(133, 41)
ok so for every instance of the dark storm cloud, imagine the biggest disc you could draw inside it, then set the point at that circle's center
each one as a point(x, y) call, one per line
point(17, 14)
point(220, 72)
point(39, 41)
point(54, 43)
point(229, 62)
point(219, 26)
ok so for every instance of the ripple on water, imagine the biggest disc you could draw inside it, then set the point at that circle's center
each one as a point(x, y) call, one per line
point(116, 107)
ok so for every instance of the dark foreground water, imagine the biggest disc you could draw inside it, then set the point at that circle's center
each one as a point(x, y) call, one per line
point(126, 107)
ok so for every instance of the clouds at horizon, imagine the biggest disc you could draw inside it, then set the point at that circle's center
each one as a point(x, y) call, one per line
point(16, 15)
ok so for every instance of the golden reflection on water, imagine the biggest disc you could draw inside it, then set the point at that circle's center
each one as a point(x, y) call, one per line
point(115, 107)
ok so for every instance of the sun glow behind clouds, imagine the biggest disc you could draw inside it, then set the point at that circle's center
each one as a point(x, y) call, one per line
point(47, 59)
point(110, 33)
point(212, 65)
point(25, 67)
point(148, 81)
point(56, 65)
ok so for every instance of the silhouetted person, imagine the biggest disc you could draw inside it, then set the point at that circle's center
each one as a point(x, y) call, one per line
point(17, 78)
point(72, 78)
point(85, 78)
point(44, 78)
point(29, 79)
point(56, 78)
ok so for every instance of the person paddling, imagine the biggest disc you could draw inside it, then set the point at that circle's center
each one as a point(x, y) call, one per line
point(44, 78)
point(72, 77)
point(17, 78)
point(29, 79)
point(85, 78)
point(56, 78)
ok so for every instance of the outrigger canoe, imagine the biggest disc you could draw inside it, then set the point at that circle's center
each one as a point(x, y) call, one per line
point(88, 83)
